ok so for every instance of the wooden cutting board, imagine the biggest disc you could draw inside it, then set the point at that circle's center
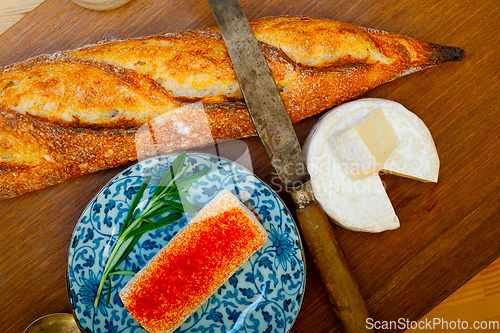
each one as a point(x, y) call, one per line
point(448, 230)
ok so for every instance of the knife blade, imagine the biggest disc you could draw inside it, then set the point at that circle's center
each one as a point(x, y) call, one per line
point(275, 129)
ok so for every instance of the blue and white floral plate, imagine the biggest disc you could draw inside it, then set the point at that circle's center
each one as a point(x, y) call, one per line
point(264, 295)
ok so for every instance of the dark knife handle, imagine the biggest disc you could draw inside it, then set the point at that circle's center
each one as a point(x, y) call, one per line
point(330, 262)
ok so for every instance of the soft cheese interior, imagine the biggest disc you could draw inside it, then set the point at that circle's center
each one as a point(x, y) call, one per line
point(347, 148)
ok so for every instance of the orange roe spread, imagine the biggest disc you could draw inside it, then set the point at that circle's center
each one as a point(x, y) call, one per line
point(193, 265)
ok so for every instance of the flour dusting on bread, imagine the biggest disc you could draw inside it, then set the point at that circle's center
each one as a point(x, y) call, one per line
point(77, 111)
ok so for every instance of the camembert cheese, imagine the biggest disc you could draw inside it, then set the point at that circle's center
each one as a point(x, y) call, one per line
point(363, 148)
point(347, 148)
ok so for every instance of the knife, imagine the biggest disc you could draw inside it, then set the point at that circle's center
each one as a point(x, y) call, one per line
point(275, 129)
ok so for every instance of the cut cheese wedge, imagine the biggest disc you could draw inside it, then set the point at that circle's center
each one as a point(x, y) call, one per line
point(344, 168)
point(363, 148)
point(194, 264)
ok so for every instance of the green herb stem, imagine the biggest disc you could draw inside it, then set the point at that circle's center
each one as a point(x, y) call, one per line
point(168, 198)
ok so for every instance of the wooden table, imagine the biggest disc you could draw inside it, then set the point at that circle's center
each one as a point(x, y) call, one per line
point(448, 230)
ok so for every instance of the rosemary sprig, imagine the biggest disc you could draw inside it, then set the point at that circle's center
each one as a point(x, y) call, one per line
point(168, 197)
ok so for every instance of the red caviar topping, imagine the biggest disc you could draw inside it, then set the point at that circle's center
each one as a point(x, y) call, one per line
point(193, 265)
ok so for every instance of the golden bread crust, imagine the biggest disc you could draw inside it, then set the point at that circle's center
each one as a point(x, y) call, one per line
point(96, 97)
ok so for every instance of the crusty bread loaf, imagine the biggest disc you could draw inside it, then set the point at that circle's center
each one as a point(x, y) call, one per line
point(75, 112)
point(194, 264)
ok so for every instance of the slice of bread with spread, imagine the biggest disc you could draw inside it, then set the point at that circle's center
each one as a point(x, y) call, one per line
point(194, 264)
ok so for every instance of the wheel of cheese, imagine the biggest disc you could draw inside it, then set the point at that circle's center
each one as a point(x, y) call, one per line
point(358, 200)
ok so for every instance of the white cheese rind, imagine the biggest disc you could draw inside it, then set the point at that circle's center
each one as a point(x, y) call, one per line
point(416, 155)
point(359, 205)
point(362, 204)
point(352, 154)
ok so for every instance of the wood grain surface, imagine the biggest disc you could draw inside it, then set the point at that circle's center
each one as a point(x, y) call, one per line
point(448, 230)
point(11, 11)
point(477, 300)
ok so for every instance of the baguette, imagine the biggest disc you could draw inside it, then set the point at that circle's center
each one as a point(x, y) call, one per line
point(78, 111)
